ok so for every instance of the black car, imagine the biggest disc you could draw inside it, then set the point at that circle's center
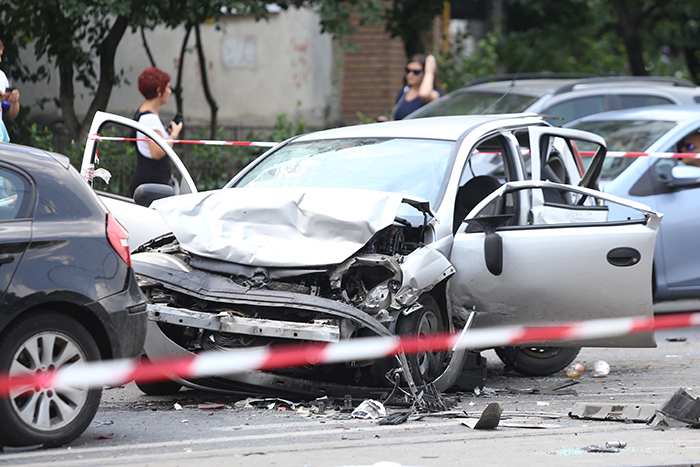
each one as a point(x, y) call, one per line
point(67, 293)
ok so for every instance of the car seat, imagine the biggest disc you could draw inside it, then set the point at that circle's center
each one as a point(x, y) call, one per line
point(470, 194)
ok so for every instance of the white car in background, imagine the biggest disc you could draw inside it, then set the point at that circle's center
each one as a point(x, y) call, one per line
point(388, 229)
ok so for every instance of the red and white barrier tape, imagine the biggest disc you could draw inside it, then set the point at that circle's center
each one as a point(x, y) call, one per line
point(263, 144)
point(667, 155)
point(118, 372)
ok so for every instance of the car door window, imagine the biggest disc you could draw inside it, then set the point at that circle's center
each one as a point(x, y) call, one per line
point(567, 111)
point(15, 195)
point(629, 101)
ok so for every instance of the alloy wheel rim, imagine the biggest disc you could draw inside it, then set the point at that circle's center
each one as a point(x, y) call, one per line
point(40, 407)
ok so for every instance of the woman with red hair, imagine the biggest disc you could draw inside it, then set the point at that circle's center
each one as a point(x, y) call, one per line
point(152, 164)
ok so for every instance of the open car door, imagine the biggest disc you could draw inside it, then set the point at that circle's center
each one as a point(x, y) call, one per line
point(141, 222)
point(565, 263)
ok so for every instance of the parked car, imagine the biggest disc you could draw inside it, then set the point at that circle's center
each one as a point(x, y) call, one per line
point(388, 229)
point(560, 98)
point(68, 294)
point(666, 184)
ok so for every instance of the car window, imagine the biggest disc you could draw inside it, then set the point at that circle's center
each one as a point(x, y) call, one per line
point(568, 111)
point(625, 136)
point(15, 194)
point(629, 101)
point(476, 103)
point(416, 167)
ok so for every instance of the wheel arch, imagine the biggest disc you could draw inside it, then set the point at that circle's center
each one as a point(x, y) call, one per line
point(81, 314)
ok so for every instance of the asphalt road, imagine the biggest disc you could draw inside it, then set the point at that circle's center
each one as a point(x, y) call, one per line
point(132, 429)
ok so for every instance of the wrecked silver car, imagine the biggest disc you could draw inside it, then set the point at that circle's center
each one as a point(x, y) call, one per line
point(408, 227)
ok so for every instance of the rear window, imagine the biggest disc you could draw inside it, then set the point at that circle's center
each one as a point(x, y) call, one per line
point(476, 103)
point(568, 111)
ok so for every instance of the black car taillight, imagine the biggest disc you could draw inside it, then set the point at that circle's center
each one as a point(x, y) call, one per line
point(119, 238)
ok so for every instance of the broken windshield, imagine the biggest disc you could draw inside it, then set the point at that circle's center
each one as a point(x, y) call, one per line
point(416, 167)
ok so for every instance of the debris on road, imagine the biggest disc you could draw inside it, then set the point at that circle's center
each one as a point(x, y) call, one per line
point(210, 406)
point(680, 410)
point(369, 409)
point(575, 369)
point(395, 418)
point(601, 369)
point(606, 448)
point(628, 413)
point(490, 417)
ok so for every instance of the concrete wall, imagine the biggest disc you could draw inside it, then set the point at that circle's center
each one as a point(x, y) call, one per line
point(255, 70)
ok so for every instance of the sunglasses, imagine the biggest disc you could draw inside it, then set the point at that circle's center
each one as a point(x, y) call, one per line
point(687, 147)
point(414, 72)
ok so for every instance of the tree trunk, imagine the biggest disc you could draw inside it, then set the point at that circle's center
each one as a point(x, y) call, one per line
point(414, 45)
point(177, 90)
point(630, 21)
point(692, 62)
point(77, 130)
point(205, 83)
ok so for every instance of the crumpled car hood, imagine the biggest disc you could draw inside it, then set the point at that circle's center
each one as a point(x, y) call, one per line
point(280, 227)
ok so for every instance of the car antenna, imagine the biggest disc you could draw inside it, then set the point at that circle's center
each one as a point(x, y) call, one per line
point(515, 76)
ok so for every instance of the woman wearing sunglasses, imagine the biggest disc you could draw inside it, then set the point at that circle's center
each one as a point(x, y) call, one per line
point(419, 86)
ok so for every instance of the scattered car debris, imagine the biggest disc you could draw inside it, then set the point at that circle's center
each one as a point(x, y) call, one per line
point(681, 407)
point(676, 339)
point(616, 444)
point(632, 413)
point(575, 369)
point(601, 369)
point(267, 403)
point(490, 417)
point(177, 406)
point(606, 448)
point(369, 409)
point(396, 418)
point(557, 389)
point(210, 406)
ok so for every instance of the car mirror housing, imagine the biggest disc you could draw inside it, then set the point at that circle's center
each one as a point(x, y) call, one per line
point(145, 194)
point(684, 176)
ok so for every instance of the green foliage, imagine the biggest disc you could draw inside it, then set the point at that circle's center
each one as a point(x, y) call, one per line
point(212, 166)
point(286, 128)
point(456, 68)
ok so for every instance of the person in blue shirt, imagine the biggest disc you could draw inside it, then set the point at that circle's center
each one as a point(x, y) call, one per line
point(420, 86)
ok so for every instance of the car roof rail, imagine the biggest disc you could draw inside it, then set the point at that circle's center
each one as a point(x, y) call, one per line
point(525, 76)
point(622, 79)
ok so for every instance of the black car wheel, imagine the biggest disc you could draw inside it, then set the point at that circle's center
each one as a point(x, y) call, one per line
point(158, 388)
point(36, 415)
point(538, 361)
point(426, 366)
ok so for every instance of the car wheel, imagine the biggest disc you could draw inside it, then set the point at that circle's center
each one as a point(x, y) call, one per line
point(538, 361)
point(426, 366)
point(36, 415)
point(159, 388)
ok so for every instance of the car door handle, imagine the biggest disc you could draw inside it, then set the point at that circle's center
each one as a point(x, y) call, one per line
point(624, 256)
point(6, 258)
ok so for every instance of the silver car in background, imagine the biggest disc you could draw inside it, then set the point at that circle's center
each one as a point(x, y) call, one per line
point(665, 184)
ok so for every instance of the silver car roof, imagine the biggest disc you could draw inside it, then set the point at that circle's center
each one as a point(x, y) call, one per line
point(676, 113)
point(444, 128)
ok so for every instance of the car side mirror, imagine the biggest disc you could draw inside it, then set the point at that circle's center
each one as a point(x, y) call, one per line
point(493, 243)
point(145, 194)
point(684, 176)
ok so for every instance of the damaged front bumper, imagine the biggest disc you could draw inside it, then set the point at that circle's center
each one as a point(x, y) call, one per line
point(335, 320)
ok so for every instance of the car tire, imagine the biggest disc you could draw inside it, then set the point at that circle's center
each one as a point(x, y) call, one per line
point(46, 416)
point(159, 388)
point(538, 361)
point(426, 366)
